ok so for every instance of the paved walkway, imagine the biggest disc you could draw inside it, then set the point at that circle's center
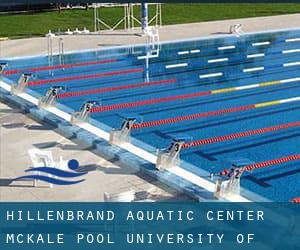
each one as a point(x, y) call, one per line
point(18, 133)
point(35, 46)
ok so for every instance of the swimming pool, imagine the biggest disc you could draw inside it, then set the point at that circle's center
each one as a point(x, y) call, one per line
point(232, 98)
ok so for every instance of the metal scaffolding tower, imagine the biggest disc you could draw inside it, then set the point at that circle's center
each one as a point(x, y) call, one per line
point(129, 20)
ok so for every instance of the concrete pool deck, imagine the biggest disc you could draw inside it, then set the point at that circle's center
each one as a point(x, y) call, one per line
point(19, 133)
point(38, 45)
point(108, 177)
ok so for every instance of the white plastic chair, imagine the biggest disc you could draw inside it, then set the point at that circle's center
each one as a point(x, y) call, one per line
point(127, 196)
point(85, 31)
point(77, 31)
point(69, 32)
point(40, 158)
point(50, 34)
point(236, 29)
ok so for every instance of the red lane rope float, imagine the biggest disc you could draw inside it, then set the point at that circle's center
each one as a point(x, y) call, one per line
point(65, 66)
point(71, 78)
point(296, 200)
point(110, 89)
point(240, 134)
point(265, 164)
point(191, 117)
point(148, 102)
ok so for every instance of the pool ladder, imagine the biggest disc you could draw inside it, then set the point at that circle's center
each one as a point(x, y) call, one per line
point(61, 53)
point(50, 53)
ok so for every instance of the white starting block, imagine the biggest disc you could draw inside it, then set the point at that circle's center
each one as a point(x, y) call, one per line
point(50, 97)
point(231, 185)
point(236, 29)
point(2, 67)
point(83, 115)
point(122, 135)
point(169, 157)
point(227, 188)
point(22, 84)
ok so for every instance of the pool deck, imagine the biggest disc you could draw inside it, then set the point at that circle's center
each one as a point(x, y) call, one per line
point(106, 176)
point(18, 133)
point(38, 45)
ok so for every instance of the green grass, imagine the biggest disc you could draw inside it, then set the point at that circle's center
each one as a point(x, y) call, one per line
point(25, 25)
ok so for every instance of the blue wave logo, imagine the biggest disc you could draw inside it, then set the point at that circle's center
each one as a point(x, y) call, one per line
point(62, 174)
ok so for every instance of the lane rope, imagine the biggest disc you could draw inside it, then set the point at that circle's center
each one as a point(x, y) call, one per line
point(240, 135)
point(191, 117)
point(111, 89)
point(263, 164)
point(80, 77)
point(296, 200)
point(272, 162)
point(65, 66)
point(160, 122)
point(188, 96)
point(146, 102)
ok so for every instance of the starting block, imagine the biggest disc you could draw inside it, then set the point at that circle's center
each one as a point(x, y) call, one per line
point(227, 188)
point(170, 157)
point(84, 113)
point(231, 184)
point(50, 97)
point(3, 65)
point(22, 84)
point(122, 135)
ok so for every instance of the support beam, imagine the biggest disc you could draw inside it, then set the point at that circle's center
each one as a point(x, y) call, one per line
point(144, 16)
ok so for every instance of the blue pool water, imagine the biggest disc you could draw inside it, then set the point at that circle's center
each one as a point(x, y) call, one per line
point(237, 61)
